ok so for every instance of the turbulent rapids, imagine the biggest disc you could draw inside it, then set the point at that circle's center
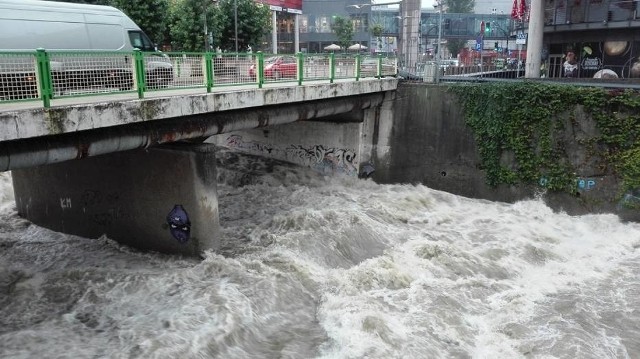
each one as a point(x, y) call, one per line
point(318, 267)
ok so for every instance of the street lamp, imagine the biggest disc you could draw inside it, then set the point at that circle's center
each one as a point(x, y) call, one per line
point(235, 21)
point(359, 7)
point(206, 29)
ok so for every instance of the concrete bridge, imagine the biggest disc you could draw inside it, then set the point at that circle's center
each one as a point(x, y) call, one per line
point(147, 175)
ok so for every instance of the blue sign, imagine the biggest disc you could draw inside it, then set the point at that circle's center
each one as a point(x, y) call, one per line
point(479, 41)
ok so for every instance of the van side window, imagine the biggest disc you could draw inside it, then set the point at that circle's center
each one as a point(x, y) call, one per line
point(140, 41)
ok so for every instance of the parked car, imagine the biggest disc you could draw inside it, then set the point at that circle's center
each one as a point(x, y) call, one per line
point(278, 67)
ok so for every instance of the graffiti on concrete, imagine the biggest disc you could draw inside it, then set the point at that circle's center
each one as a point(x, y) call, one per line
point(582, 184)
point(236, 141)
point(92, 197)
point(101, 207)
point(586, 184)
point(543, 182)
point(631, 199)
point(324, 160)
point(107, 217)
point(319, 158)
point(65, 203)
point(179, 223)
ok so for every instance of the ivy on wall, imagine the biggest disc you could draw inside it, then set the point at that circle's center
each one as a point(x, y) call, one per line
point(520, 130)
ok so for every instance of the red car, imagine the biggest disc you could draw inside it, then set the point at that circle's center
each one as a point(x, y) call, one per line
point(278, 67)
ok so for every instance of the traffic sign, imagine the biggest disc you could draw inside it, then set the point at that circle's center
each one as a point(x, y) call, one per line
point(521, 38)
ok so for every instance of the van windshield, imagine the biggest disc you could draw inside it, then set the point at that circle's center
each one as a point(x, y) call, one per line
point(139, 40)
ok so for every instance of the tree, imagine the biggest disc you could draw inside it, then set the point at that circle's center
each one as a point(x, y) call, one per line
point(460, 6)
point(253, 22)
point(150, 15)
point(186, 24)
point(343, 29)
point(376, 30)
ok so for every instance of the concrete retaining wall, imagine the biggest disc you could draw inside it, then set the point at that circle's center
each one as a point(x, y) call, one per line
point(432, 145)
point(162, 199)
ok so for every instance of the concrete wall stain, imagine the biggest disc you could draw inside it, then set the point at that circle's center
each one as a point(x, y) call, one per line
point(55, 121)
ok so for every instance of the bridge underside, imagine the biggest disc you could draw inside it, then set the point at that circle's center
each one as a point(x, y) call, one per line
point(164, 198)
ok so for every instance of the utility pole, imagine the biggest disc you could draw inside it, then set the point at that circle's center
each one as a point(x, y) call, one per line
point(438, 54)
point(534, 42)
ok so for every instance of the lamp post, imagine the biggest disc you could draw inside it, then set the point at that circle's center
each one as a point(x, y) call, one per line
point(206, 29)
point(359, 7)
point(235, 21)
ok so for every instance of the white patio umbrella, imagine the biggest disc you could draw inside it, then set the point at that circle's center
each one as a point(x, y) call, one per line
point(605, 74)
point(332, 47)
point(357, 47)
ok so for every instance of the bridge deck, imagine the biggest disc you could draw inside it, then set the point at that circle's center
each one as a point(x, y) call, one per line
point(20, 120)
point(133, 96)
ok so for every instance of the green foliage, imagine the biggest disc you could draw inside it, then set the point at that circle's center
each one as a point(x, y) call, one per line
point(630, 169)
point(520, 131)
point(460, 6)
point(455, 45)
point(377, 29)
point(253, 22)
point(150, 15)
point(343, 29)
point(186, 24)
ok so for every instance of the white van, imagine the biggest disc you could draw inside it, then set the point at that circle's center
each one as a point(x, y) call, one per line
point(58, 26)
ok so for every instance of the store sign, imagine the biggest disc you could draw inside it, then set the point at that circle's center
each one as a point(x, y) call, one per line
point(591, 63)
point(286, 5)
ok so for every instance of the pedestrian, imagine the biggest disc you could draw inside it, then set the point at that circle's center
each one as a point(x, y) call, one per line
point(570, 65)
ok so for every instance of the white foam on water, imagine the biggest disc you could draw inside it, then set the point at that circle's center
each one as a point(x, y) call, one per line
point(316, 267)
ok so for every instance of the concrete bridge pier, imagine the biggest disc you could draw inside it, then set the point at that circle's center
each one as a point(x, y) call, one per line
point(162, 199)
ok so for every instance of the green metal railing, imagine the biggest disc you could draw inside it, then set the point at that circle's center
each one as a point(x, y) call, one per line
point(43, 75)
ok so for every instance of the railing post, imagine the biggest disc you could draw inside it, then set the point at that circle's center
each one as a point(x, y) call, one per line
point(379, 67)
point(208, 67)
point(358, 66)
point(300, 59)
point(179, 65)
point(332, 67)
point(139, 70)
point(44, 76)
point(260, 69)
